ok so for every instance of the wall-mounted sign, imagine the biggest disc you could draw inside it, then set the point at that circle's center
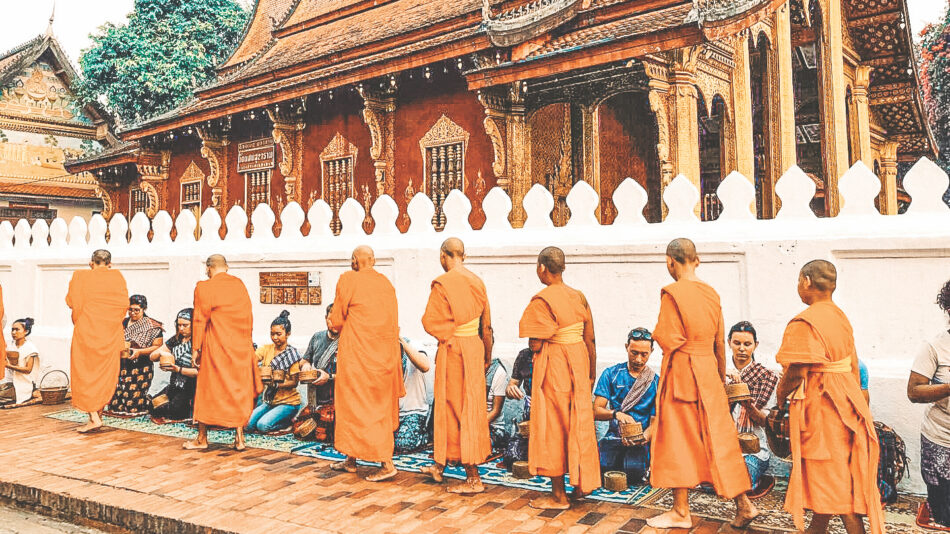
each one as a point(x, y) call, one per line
point(291, 288)
point(256, 155)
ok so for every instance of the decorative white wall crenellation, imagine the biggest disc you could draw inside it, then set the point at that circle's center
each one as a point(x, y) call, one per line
point(890, 267)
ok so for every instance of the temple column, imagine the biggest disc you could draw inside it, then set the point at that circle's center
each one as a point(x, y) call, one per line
point(379, 114)
point(862, 115)
point(153, 179)
point(659, 98)
point(289, 125)
point(505, 124)
point(832, 98)
point(782, 140)
point(742, 109)
point(214, 148)
point(684, 98)
point(888, 197)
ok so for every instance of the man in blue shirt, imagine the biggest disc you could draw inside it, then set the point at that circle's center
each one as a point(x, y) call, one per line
point(625, 393)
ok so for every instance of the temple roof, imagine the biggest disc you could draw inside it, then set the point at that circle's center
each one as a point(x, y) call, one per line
point(258, 33)
point(122, 152)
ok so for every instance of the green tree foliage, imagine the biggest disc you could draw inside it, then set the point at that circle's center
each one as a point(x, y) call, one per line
point(934, 60)
point(153, 62)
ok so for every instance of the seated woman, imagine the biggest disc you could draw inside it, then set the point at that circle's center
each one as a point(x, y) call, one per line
point(929, 383)
point(21, 377)
point(280, 401)
point(184, 376)
point(144, 336)
point(321, 355)
point(496, 384)
point(626, 393)
point(519, 388)
point(750, 416)
point(414, 407)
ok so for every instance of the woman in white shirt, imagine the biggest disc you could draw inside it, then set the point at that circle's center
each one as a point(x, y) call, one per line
point(22, 376)
point(929, 383)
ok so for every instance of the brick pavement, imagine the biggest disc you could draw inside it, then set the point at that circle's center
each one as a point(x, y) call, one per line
point(147, 483)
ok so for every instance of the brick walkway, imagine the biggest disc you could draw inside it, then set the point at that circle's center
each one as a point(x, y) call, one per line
point(147, 483)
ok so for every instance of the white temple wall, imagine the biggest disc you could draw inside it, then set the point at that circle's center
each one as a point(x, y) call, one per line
point(890, 268)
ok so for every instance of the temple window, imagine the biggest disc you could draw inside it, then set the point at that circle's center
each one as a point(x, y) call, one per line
point(191, 196)
point(138, 202)
point(338, 162)
point(443, 152)
point(257, 185)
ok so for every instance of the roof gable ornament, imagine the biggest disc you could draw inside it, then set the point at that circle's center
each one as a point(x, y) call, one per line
point(528, 21)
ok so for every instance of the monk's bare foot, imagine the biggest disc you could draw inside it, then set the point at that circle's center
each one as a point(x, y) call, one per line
point(382, 474)
point(744, 518)
point(434, 471)
point(467, 487)
point(670, 519)
point(548, 502)
point(195, 445)
point(577, 495)
point(348, 466)
point(89, 427)
point(239, 445)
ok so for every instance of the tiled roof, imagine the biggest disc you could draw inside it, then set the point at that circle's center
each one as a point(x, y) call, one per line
point(258, 33)
point(47, 190)
point(313, 77)
point(125, 148)
point(311, 9)
point(349, 33)
point(624, 28)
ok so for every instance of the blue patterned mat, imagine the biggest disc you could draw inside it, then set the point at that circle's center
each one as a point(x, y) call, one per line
point(490, 472)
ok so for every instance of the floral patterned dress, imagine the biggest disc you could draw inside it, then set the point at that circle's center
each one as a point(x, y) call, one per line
point(135, 374)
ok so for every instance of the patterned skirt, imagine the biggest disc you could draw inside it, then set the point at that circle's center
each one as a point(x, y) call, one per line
point(935, 469)
point(131, 393)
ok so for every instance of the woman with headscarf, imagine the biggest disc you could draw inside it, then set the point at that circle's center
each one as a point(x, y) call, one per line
point(280, 401)
point(180, 392)
point(143, 336)
point(22, 376)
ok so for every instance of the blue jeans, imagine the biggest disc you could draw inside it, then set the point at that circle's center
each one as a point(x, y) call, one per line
point(634, 461)
point(266, 418)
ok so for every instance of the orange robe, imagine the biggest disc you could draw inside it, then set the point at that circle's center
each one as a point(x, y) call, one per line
point(458, 298)
point(369, 379)
point(695, 439)
point(99, 301)
point(834, 444)
point(563, 438)
point(3, 342)
point(228, 377)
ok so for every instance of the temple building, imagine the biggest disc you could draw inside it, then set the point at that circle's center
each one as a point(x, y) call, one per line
point(41, 125)
point(329, 99)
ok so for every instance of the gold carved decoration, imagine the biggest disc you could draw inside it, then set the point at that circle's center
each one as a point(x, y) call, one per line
point(107, 207)
point(287, 134)
point(375, 132)
point(659, 105)
point(153, 201)
point(379, 116)
point(214, 148)
point(192, 174)
point(498, 146)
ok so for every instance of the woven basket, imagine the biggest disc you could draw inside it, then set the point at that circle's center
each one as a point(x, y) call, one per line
point(13, 357)
point(524, 428)
point(305, 429)
point(166, 360)
point(777, 433)
point(631, 431)
point(520, 470)
point(309, 376)
point(738, 392)
point(53, 395)
point(749, 443)
point(615, 481)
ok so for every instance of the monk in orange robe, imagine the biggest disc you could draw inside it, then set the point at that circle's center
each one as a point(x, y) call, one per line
point(369, 366)
point(560, 329)
point(457, 315)
point(834, 444)
point(228, 377)
point(695, 439)
point(99, 299)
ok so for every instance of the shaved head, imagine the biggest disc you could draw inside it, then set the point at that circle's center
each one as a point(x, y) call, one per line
point(216, 261)
point(552, 258)
point(453, 247)
point(101, 257)
point(363, 257)
point(682, 250)
point(823, 275)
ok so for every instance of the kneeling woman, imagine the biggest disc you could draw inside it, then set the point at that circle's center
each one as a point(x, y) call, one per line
point(144, 336)
point(22, 376)
point(280, 401)
point(180, 392)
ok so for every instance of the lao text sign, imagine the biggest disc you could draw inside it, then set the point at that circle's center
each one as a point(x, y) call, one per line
point(256, 155)
point(291, 288)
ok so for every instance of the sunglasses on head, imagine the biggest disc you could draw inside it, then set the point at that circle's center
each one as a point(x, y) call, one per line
point(639, 335)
